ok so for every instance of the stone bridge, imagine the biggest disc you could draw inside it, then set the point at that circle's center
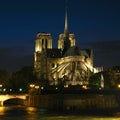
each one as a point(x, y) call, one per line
point(12, 96)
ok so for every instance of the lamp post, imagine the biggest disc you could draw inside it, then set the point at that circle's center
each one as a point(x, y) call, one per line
point(32, 85)
point(34, 89)
point(119, 86)
point(1, 87)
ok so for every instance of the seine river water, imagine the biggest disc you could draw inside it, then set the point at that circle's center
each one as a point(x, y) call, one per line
point(31, 113)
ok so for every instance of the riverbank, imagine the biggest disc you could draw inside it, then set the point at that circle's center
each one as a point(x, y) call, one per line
point(90, 102)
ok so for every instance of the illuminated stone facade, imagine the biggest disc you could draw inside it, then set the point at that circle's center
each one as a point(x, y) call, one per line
point(67, 64)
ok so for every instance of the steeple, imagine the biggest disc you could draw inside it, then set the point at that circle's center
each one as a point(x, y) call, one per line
point(66, 40)
point(66, 33)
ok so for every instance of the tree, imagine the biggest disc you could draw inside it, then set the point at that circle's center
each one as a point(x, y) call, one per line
point(94, 81)
point(4, 77)
point(111, 79)
point(21, 79)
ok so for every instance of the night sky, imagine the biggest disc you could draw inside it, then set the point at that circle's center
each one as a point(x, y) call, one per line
point(95, 23)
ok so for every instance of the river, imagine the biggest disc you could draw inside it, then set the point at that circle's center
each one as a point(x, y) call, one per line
point(31, 113)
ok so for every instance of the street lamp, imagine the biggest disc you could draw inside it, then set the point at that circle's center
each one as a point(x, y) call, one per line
point(118, 85)
point(37, 87)
point(20, 89)
point(32, 85)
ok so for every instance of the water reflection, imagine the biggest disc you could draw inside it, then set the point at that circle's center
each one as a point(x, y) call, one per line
point(20, 110)
point(2, 110)
point(9, 110)
point(32, 113)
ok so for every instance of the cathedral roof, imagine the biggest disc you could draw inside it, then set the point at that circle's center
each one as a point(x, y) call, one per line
point(75, 51)
point(72, 51)
point(86, 52)
point(54, 53)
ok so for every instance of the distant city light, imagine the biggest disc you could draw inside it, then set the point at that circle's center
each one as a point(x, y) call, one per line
point(65, 86)
point(42, 88)
point(56, 88)
point(32, 85)
point(100, 88)
point(20, 89)
point(10, 90)
point(118, 85)
point(4, 89)
point(84, 87)
point(37, 87)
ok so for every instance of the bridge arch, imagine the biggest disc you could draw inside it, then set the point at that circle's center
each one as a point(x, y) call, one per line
point(4, 98)
point(14, 101)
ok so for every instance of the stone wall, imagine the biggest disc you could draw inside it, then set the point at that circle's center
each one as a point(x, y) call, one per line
point(41, 101)
point(90, 102)
point(66, 102)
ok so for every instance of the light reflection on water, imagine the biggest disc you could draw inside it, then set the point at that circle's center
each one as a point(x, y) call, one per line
point(31, 113)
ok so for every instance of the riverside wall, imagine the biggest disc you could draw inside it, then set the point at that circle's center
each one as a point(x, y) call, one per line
point(75, 102)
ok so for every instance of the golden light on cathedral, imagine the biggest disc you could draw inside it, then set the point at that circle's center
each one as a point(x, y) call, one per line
point(67, 63)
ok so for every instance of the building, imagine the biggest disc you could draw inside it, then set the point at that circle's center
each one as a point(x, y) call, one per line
point(67, 64)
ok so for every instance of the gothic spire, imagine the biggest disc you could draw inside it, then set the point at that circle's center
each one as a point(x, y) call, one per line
point(66, 33)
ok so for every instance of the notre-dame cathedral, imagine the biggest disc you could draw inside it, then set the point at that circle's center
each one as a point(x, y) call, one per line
point(66, 64)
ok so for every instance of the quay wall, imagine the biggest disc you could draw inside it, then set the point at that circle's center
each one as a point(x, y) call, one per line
point(66, 102)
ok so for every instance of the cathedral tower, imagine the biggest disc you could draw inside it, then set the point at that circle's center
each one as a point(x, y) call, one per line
point(42, 43)
point(66, 40)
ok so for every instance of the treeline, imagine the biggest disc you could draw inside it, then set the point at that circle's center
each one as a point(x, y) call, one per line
point(18, 81)
point(110, 78)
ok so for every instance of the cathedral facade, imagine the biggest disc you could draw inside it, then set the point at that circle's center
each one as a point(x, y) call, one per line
point(67, 64)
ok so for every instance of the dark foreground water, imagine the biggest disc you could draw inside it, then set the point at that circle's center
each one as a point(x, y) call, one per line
point(31, 113)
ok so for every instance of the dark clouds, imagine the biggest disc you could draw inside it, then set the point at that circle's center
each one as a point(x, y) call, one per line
point(106, 53)
point(14, 58)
